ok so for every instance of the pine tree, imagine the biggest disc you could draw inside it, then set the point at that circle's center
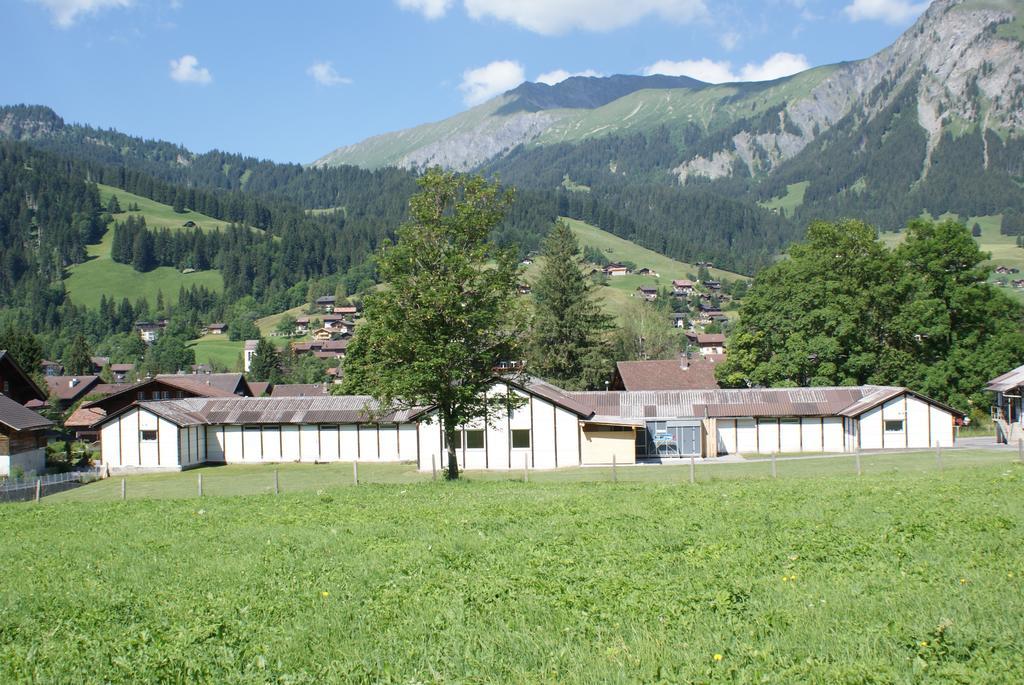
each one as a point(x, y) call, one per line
point(78, 358)
point(266, 362)
point(179, 202)
point(566, 343)
point(113, 206)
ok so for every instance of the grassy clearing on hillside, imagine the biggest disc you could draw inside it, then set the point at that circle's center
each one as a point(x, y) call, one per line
point(915, 578)
point(101, 275)
point(789, 202)
point(157, 215)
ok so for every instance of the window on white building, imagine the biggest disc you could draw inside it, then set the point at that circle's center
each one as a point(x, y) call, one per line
point(521, 438)
point(894, 425)
point(148, 436)
point(474, 440)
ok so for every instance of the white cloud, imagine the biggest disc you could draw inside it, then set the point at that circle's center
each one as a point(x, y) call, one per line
point(705, 70)
point(187, 70)
point(778, 65)
point(729, 40)
point(889, 11)
point(559, 75)
point(325, 74)
point(65, 12)
point(483, 83)
point(551, 17)
point(431, 9)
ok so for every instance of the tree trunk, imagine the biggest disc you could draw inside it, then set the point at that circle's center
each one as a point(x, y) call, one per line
point(449, 440)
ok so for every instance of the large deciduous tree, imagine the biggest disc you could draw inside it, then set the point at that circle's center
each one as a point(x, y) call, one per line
point(447, 314)
point(844, 310)
point(566, 344)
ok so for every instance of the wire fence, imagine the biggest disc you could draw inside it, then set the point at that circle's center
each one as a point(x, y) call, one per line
point(36, 487)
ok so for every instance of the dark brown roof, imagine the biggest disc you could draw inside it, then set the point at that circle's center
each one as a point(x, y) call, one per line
point(122, 367)
point(26, 381)
point(667, 374)
point(710, 338)
point(194, 384)
point(259, 388)
point(299, 390)
point(19, 418)
point(228, 382)
point(70, 388)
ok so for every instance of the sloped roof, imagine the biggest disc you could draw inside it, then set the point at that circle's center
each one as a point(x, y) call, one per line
point(1007, 381)
point(327, 409)
point(741, 403)
point(299, 390)
point(668, 374)
point(227, 382)
point(20, 418)
point(84, 417)
point(61, 386)
point(7, 360)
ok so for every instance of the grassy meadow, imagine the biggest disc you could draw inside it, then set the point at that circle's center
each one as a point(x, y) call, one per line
point(100, 275)
point(788, 203)
point(908, 577)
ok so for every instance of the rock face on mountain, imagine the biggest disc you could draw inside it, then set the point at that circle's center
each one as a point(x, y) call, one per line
point(963, 58)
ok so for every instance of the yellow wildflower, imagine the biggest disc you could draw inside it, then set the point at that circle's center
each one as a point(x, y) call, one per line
point(718, 657)
point(924, 643)
point(325, 593)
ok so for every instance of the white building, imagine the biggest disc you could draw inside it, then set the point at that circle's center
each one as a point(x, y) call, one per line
point(551, 429)
point(250, 353)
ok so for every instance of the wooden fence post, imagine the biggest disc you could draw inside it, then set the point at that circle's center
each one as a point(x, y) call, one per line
point(200, 479)
point(526, 468)
point(277, 481)
point(938, 454)
point(615, 470)
point(355, 472)
point(124, 489)
point(856, 459)
point(39, 488)
point(433, 466)
point(1020, 450)
point(693, 475)
point(775, 473)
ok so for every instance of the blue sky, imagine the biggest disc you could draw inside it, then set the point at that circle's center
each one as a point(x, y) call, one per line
point(292, 81)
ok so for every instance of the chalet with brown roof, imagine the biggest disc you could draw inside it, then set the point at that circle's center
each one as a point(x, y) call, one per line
point(347, 310)
point(682, 287)
point(66, 390)
point(302, 325)
point(616, 269)
point(217, 328)
point(22, 431)
point(647, 272)
point(122, 373)
point(648, 293)
point(99, 363)
point(322, 349)
point(711, 343)
point(326, 303)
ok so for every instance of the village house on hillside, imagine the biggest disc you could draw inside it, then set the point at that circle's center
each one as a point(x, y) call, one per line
point(648, 293)
point(326, 303)
point(616, 269)
point(217, 328)
point(682, 287)
point(66, 390)
point(122, 372)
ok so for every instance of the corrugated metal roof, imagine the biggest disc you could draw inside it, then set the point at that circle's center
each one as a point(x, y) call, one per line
point(326, 409)
point(754, 402)
point(1007, 381)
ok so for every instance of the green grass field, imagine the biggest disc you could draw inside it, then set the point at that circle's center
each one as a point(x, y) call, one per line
point(157, 214)
point(890, 578)
point(788, 203)
point(101, 275)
